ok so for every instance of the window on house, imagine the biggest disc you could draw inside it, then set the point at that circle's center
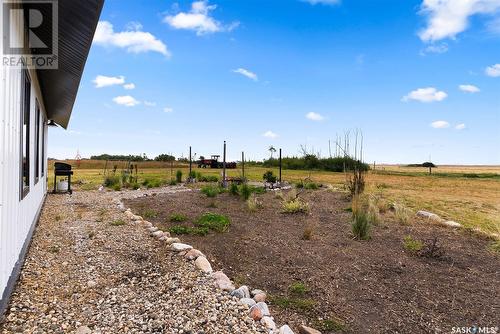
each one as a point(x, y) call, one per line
point(37, 141)
point(25, 133)
point(42, 142)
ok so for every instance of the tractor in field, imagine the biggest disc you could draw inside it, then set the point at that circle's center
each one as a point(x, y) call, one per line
point(214, 162)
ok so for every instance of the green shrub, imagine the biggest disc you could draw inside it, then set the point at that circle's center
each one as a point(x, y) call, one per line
point(253, 203)
point(111, 181)
point(152, 183)
point(495, 246)
point(172, 183)
point(210, 190)
point(302, 304)
point(118, 222)
point(213, 221)
point(117, 187)
point(233, 189)
point(269, 177)
point(207, 178)
point(412, 245)
point(295, 205)
point(177, 218)
point(360, 225)
point(245, 191)
point(298, 288)
point(311, 186)
point(149, 213)
point(178, 176)
point(192, 175)
point(180, 229)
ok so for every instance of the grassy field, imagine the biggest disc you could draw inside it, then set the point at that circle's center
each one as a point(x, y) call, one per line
point(466, 194)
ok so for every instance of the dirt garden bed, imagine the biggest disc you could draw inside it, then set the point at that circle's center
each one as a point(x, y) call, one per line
point(333, 282)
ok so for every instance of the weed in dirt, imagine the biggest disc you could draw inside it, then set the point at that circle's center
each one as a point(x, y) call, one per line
point(401, 213)
point(245, 191)
point(177, 218)
point(233, 189)
point(253, 203)
point(360, 225)
point(308, 232)
point(301, 304)
point(373, 211)
point(295, 206)
point(149, 213)
point(116, 187)
point(178, 176)
point(54, 249)
point(311, 186)
point(172, 183)
point(91, 234)
point(495, 246)
point(330, 324)
point(180, 229)
point(432, 249)
point(118, 222)
point(412, 245)
point(298, 288)
point(214, 222)
point(269, 177)
point(58, 218)
point(211, 190)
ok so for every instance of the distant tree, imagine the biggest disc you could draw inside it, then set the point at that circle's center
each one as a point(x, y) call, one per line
point(165, 157)
point(429, 165)
point(272, 150)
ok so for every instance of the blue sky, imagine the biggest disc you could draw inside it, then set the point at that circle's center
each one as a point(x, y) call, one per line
point(419, 78)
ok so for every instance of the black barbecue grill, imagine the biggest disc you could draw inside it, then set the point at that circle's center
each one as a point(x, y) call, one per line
point(62, 169)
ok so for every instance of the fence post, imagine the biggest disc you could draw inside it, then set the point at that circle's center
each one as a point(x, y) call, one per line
point(190, 168)
point(224, 167)
point(243, 163)
point(280, 165)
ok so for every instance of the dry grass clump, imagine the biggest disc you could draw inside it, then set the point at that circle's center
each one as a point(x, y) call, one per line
point(401, 213)
point(309, 230)
point(295, 205)
point(253, 203)
point(361, 223)
point(373, 211)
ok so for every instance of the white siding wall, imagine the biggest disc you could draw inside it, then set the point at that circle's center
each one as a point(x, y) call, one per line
point(16, 216)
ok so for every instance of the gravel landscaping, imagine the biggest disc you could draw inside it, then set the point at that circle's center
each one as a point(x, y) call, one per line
point(91, 269)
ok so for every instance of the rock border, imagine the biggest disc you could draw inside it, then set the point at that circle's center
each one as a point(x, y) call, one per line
point(254, 299)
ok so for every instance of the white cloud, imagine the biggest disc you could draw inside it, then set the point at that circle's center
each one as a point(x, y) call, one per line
point(429, 94)
point(448, 18)
point(314, 116)
point(168, 110)
point(133, 39)
point(198, 19)
point(129, 86)
point(247, 73)
point(322, 2)
point(493, 70)
point(469, 88)
point(126, 100)
point(460, 126)
point(440, 125)
point(435, 48)
point(270, 134)
point(149, 104)
point(494, 26)
point(104, 81)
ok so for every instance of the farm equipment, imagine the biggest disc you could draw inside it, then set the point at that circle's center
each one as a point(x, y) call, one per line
point(214, 162)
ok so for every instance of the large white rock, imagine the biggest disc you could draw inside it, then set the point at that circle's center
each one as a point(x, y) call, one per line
point(259, 310)
point(222, 281)
point(241, 292)
point(268, 322)
point(157, 234)
point(179, 247)
point(451, 223)
point(308, 330)
point(83, 330)
point(193, 254)
point(248, 302)
point(202, 263)
point(428, 215)
point(285, 330)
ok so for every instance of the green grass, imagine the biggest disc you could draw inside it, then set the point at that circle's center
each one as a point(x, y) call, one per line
point(118, 222)
point(298, 288)
point(412, 245)
point(177, 218)
point(211, 190)
point(330, 324)
point(149, 213)
point(495, 246)
point(302, 304)
point(180, 229)
point(214, 222)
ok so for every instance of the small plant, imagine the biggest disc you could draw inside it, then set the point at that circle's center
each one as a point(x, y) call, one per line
point(295, 205)
point(117, 187)
point(298, 288)
point(269, 177)
point(91, 234)
point(361, 224)
point(401, 213)
point(495, 246)
point(111, 180)
point(192, 175)
point(58, 218)
point(213, 221)
point(118, 222)
point(172, 183)
point(210, 191)
point(149, 213)
point(233, 189)
point(412, 245)
point(301, 304)
point(331, 324)
point(245, 191)
point(432, 249)
point(177, 218)
point(373, 212)
point(180, 229)
point(311, 186)
point(54, 249)
point(212, 205)
point(253, 203)
point(178, 176)
point(308, 232)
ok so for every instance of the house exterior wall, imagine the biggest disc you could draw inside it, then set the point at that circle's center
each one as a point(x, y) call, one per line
point(17, 216)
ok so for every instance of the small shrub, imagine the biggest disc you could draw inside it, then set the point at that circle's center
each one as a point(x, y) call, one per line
point(213, 221)
point(58, 218)
point(152, 183)
point(135, 186)
point(210, 191)
point(117, 187)
point(118, 222)
point(331, 325)
point(192, 175)
point(373, 212)
point(233, 189)
point(432, 249)
point(54, 249)
point(495, 246)
point(111, 180)
point(302, 304)
point(412, 245)
point(295, 205)
point(298, 288)
point(308, 232)
point(401, 213)
point(177, 218)
point(172, 183)
point(253, 203)
point(269, 177)
point(149, 213)
point(311, 186)
point(207, 178)
point(178, 176)
point(360, 225)
point(245, 191)
point(212, 205)
point(180, 229)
